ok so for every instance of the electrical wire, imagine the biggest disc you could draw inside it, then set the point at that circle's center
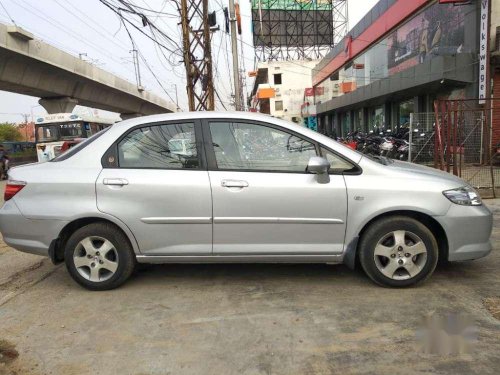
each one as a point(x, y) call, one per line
point(7, 12)
point(119, 10)
point(119, 45)
point(134, 45)
point(112, 40)
point(42, 15)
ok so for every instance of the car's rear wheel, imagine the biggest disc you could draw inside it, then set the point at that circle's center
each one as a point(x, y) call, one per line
point(98, 256)
point(398, 251)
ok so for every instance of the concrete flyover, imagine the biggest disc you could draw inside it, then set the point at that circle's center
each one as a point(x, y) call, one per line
point(31, 67)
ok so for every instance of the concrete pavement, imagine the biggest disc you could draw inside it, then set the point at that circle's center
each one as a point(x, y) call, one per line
point(242, 319)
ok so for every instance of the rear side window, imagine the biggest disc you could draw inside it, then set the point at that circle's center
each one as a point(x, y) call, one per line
point(171, 146)
point(80, 146)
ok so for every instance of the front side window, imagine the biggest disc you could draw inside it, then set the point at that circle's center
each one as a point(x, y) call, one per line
point(240, 146)
point(337, 164)
point(171, 146)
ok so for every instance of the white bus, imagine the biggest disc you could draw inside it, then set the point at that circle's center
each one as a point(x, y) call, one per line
point(55, 133)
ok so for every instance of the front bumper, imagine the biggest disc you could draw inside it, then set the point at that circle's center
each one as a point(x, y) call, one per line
point(30, 236)
point(468, 229)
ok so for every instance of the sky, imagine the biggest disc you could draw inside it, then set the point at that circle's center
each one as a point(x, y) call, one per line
point(92, 31)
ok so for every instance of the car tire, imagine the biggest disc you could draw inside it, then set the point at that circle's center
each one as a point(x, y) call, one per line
point(99, 256)
point(398, 251)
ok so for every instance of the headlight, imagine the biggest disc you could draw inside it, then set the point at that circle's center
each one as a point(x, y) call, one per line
point(465, 196)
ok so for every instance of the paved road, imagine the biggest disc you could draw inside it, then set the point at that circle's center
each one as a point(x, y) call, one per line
point(242, 319)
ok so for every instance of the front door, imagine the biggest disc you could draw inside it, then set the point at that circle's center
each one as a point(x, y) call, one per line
point(264, 201)
point(156, 184)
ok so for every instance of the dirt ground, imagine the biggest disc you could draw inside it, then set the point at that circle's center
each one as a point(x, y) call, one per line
point(242, 319)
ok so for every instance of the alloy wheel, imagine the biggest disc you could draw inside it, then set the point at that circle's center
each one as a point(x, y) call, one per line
point(400, 255)
point(95, 258)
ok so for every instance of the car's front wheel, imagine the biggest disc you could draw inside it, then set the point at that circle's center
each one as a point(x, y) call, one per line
point(98, 256)
point(398, 251)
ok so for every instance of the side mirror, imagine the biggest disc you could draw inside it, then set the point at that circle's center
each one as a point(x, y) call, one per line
point(318, 165)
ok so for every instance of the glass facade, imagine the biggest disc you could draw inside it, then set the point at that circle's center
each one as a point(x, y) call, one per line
point(377, 119)
point(437, 30)
point(405, 108)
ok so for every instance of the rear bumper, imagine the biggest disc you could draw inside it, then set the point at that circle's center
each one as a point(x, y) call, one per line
point(27, 235)
point(468, 230)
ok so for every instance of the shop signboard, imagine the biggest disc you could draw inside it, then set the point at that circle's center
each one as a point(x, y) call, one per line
point(483, 51)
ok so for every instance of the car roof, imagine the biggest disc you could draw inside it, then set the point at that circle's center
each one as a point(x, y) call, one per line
point(120, 128)
point(199, 115)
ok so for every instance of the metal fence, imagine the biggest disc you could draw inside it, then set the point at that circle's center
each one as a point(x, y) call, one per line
point(421, 138)
point(456, 138)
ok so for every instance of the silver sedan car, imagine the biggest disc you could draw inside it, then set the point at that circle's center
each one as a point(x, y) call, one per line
point(237, 187)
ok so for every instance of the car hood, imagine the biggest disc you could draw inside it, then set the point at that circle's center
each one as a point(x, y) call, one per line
point(421, 171)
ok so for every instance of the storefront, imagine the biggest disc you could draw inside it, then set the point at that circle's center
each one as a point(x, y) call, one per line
point(396, 61)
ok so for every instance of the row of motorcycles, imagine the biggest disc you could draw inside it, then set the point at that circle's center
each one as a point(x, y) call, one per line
point(383, 142)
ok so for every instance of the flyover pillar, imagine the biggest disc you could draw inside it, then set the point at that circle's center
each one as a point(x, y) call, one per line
point(58, 105)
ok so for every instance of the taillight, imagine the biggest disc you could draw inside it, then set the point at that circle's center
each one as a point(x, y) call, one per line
point(12, 188)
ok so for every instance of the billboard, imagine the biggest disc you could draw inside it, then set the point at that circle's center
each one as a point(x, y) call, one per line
point(292, 23)
point(438, 30)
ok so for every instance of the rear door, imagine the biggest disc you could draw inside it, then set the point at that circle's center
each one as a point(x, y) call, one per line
point(156, 182)
point(264, 201)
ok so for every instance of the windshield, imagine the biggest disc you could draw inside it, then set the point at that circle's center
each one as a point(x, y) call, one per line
point(80, 146)
point(56, 132)
point(70, 130)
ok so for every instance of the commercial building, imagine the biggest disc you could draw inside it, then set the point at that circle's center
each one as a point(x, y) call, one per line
point(401, 57)
point(279, 88)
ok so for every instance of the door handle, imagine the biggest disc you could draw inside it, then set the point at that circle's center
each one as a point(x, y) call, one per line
point(234, 183)
point(115, 181)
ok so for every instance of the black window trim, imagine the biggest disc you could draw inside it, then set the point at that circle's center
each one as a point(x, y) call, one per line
point(113, 149)
point(356, 168)
point(212, 162)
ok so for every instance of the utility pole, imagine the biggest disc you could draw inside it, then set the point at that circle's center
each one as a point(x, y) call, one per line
point(234, 47)
point(197, 54)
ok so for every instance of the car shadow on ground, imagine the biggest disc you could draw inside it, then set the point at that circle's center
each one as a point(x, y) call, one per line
point(232, 272)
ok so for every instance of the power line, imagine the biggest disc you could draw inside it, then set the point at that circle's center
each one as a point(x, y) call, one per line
point(86, 23)
point(120, 45)
point(147, 21)
point(134, 45)
point(98, 25)
point(118, 11)
point(155, 33)
point(66, 30)
point(7, 12)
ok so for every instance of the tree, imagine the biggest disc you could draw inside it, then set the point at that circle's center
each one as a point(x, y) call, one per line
point(9, 132)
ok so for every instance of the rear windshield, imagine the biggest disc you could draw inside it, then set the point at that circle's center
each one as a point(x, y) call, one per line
point(80, 146)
